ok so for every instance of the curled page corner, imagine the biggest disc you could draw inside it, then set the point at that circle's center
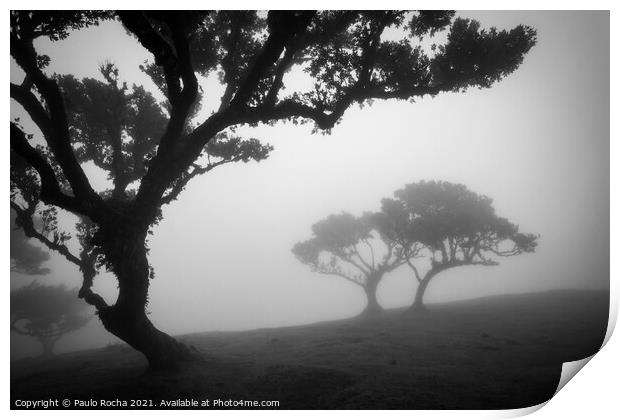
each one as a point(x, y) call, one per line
point(570, 369)
point(520, 412)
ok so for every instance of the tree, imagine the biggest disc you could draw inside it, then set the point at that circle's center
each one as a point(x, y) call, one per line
point(352, 248)
point(450, 226)
point(35, 220)
point(46, 313)
point(25, 257)
point(251, 53)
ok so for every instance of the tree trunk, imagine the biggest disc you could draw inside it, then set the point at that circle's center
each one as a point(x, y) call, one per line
point(373, 307)
point(48, 347)
point(418, 302)
point(127, 318)
point(133, 326)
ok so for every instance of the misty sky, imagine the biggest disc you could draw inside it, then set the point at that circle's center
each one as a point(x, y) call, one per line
point(537, 143)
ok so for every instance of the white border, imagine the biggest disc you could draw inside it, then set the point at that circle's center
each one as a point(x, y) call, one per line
point(592, 395)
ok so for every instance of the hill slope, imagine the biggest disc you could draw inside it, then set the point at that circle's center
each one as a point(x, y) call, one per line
point(497, 352)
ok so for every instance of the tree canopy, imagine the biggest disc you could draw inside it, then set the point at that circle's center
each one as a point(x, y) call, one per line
point(457, 225)
point(47, 313)
point(452, 226)
point(353, 248)
point(342, 51)
point(431, 226)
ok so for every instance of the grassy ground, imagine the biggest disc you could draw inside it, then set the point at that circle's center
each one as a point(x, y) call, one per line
point(490, 353)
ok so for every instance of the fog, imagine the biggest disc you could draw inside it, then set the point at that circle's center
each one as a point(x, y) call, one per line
point(537, 143)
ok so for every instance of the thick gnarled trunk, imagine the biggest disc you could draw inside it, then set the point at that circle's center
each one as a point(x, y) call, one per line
point(133, 327)
point(372, 307)
point(418, 302)
point(127, 318)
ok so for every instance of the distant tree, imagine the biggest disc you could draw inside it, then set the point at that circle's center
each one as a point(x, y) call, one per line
point(46, 313)
point(352, 248)
point(25, 257)
point(449, 226)
point(151, 153)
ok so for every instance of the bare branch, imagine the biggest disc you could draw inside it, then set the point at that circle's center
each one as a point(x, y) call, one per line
point(372, 251)
point(415, 270)
point(33, 107)
point(339, 273)
point(366, 264)
point(50, 188)
point(24, 219)
point(347, 258)
point(57, 133)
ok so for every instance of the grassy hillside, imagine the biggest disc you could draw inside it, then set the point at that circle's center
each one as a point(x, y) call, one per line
point(496, 352)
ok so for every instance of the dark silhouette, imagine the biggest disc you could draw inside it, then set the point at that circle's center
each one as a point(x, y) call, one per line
point(25, 257)
point(354, 249)
point(150, 153)
point(40, 222)
point(496, 352)
point(450, 226)
point(46, 313)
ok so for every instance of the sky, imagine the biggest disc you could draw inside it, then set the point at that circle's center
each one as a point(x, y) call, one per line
point(537, 143)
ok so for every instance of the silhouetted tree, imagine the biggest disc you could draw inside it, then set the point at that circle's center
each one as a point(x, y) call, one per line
point(448, 226)
point(47, 313)
point(252, 53)
point(38, 221)
point(25, 257)
point(354, 249)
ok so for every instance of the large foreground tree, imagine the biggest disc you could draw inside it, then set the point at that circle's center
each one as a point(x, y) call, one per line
point(343, 52)
point(451, 226)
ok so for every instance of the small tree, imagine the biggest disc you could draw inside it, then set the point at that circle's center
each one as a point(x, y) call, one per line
point(450, 226)
point(353, 248)
point(47, 313)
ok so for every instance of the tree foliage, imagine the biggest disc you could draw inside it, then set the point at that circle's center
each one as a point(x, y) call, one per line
point(456, 225)
point(117, 128)
point(342, 245)
point(25, 257)
point(47, 313)
point(353, 248)
point(429, 225)
point(450, 226)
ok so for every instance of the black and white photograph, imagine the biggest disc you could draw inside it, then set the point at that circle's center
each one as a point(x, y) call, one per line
point(306, 209)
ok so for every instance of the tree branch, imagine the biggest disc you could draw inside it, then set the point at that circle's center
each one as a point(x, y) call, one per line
point(291, 108)
point(181, 183)
point(25, 222)
point(339, 273)
point(137, 23)
point(372, 251)
point(282, 27)
point(362, 260)
point(58, 138)
point(33, 107)
point(50, 188)
point(415, 270)
point(347, 258)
